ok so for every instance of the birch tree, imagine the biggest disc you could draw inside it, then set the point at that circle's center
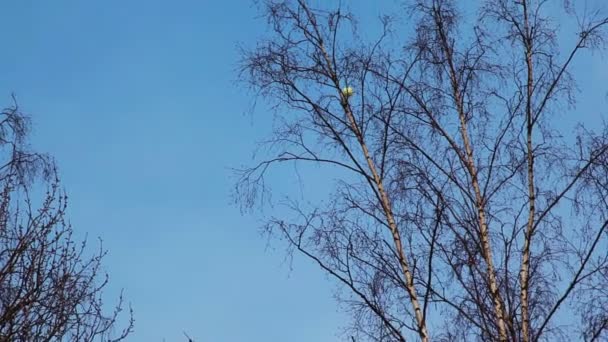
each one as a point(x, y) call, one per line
point(465, 209)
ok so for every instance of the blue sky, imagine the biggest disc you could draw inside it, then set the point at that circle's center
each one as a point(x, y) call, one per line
point(136, 100)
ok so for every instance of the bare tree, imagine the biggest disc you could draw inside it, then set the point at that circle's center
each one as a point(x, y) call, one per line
point(50, 284)
point(462, 209)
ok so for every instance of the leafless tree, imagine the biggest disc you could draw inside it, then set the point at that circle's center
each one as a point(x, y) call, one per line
point(50, 284)
point(463, 209)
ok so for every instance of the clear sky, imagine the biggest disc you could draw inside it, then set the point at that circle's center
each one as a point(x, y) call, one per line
point(136, 101)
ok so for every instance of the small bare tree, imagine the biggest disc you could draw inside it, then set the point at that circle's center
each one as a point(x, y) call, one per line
point(50, 285)
point(464, 211)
